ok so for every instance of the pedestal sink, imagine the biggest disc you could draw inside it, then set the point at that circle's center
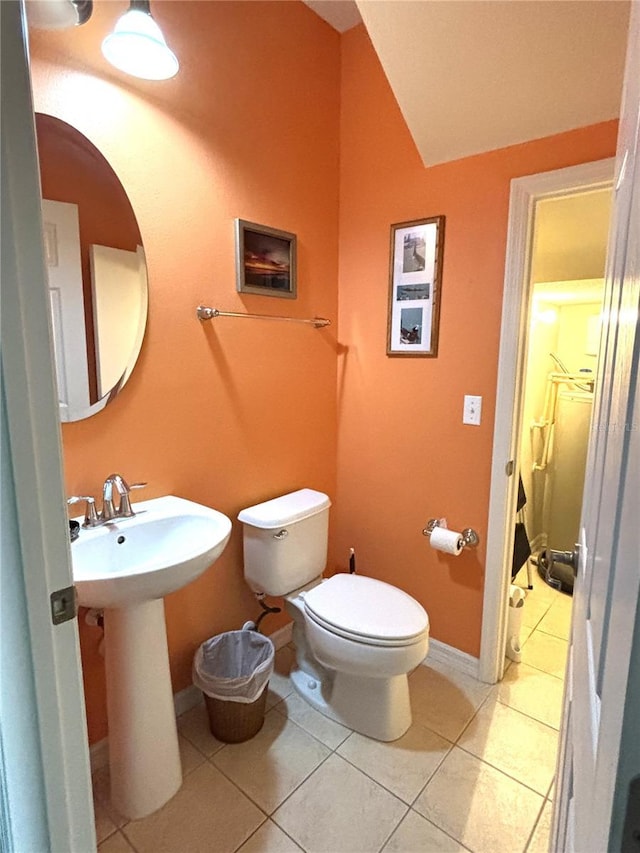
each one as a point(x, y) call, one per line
point(125, 567)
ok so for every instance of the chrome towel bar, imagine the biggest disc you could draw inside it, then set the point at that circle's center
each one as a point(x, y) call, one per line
point(204, 313)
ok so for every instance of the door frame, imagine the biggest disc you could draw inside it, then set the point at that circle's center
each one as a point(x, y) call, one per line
point(525, 193)
point(51, 652)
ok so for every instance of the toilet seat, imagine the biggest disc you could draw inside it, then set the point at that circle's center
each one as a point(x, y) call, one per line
point(367, 611)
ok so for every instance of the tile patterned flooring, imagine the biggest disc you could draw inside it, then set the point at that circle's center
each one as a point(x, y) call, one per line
point(474, 771)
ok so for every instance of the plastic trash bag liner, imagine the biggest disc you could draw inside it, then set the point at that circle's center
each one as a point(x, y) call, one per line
point(234, 666)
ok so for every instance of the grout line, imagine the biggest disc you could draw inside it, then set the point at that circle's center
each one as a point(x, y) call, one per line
point(529, 716)
point(129, 841)
point(249, 797)
point(289, 795)
point(195, 746)
point(108, 835)
point(528, 663)
point(238, 788)
point(334, 751)
point(302, 729)
point(429, 780)
point(242, 843)
point(531, 666)
point(433, 823)
point(311, 734)
point(551, 634)
point(269, 820)
point(386, 840)
point(473, 716)
point(551, 788)
point(500, 770)
point(383, 786)
point(450, 743)
point(535, 826)
point(299, 846)
point(200, 753)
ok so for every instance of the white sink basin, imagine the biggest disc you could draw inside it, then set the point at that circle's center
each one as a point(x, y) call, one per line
point(125, 567)
point(166, 545)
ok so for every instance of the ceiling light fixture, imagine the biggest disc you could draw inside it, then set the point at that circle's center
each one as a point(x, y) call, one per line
point(137, 46)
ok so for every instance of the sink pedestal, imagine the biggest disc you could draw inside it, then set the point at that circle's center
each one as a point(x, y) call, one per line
point(144, 757)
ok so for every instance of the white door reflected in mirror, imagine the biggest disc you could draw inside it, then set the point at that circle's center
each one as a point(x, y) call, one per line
point(119, 300)
point(119, 289)
point(62, 255)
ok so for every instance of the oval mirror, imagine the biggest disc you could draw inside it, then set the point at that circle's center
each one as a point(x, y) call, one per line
point(96, 268)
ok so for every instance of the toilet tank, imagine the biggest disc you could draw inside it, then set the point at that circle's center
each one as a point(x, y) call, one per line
point(285, 541)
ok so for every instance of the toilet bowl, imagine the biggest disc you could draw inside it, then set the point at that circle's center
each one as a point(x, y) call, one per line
point(356, 638)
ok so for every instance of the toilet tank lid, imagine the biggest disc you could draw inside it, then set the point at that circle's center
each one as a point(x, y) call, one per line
point(286, 509)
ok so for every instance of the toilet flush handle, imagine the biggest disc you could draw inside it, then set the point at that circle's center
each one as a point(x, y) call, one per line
point(281, 534)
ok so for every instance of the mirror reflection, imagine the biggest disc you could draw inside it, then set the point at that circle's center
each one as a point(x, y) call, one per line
point(96, 268)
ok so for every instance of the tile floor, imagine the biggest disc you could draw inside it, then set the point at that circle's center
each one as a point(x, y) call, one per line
point(474, 772)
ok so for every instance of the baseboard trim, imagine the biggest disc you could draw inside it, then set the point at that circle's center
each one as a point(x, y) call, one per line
point(282, 636)
point(538, 543)
point(185, 700)
point(450, 656)
point(99, 754)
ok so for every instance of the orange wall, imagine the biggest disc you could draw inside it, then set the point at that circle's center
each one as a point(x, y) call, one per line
point(233, 412)
point(257, 125)
point(403, 453)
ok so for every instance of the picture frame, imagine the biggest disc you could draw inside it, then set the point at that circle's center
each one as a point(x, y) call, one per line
point(415, 282)
point(266, 260)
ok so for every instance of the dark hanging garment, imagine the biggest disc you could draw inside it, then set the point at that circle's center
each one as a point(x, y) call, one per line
point(521, 549)
point(521, 546)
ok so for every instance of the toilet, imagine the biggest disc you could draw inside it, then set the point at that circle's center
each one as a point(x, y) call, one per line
point(356, 638)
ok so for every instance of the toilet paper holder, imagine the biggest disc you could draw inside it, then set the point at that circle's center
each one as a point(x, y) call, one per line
point(469, 536)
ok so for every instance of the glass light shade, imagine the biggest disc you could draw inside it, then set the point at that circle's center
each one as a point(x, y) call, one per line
point(137, 47)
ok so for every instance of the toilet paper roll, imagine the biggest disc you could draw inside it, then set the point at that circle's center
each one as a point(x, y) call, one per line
point(448, 541)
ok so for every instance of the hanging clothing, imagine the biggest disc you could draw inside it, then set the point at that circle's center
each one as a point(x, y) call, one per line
point(521, 546)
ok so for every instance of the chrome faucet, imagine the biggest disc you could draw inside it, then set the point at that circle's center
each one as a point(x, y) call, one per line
point(93, 518)
point(124, 491)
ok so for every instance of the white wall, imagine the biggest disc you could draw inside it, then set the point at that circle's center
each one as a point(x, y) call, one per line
point(573, 334)
point(563, 330)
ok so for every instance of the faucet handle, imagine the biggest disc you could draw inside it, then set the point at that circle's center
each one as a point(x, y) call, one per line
point(90, 514)
point(125, 501)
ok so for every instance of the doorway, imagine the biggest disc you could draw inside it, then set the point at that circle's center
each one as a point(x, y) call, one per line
point(562, 331)
point(538, 204)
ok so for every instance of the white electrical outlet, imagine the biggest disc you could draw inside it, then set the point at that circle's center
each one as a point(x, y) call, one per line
point(472, 413)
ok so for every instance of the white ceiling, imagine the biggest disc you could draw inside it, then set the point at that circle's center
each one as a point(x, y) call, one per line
point(341, 14)
point(471, 76)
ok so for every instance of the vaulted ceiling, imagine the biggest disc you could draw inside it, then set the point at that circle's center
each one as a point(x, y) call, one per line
point(474, 75)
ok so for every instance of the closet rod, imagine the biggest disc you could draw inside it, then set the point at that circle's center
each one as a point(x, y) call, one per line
point(204, 313)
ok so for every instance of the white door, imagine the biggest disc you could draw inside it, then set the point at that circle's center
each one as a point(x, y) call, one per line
point(608, 574)
point(44, 755)
point(61, 229)
point(119, 297)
